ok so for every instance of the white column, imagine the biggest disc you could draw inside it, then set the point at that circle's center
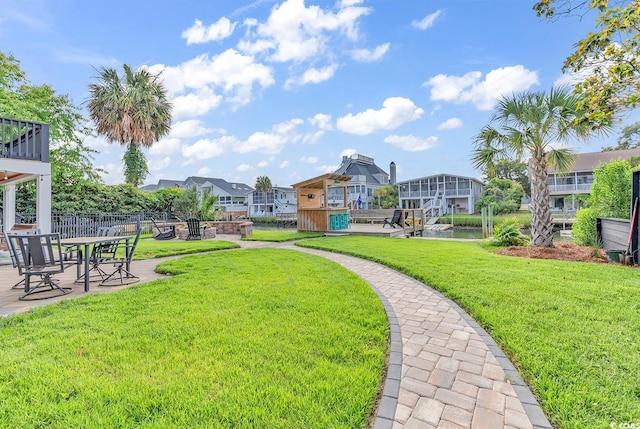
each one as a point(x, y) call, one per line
point(43, 203)
point(9, 206)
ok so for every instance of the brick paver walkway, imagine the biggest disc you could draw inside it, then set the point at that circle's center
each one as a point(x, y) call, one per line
point(444, 370)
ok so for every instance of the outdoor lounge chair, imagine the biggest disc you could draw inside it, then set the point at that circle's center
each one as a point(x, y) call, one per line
point(42, 257)
point(196, 232)
point(395, 220)
point(165, 232)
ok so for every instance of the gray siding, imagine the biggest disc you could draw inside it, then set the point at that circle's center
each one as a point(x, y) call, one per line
point(613, 233)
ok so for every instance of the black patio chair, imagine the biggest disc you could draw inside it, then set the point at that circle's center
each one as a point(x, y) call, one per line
point(122, 274)
point(42, 257)
point(16, 255)
point(196, 232)
point(395, 220)
point(101, 255)
point(165, 232)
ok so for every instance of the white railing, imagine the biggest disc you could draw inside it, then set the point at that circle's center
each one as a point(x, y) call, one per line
point(568, 189)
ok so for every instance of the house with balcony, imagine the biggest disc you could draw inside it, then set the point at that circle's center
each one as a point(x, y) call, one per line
point(279, 200)
point(563, 187)
point(440, 194)
point(232, 196)
point(366, 177)
point(24, 156)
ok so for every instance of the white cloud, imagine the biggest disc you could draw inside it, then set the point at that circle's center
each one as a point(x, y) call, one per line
point(189, 128)
point(395, 111)
point(195, 104)
point(348, 153)
point(243, 167)
point(271, 143)
point(295, 32)
point(412, 143)
point(450, 124)
point(312, 75)
point(309, 159)
point(231, 72)
point(114, 173)
point(469, 88)
point(321, 121)
point(95, 142)
point(203, 171)
point(262, 164)
point(370, 55)
point(156, 164)
point(198, 33)
point(327, 168)
point(209, 148)
point(427, 21)
point(347, 3)
point(283, 164)
point(166, 146)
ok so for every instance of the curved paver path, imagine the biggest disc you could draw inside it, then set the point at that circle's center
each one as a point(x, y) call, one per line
point(444, 370)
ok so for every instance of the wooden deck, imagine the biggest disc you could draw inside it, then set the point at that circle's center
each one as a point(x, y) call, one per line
point(375, 230)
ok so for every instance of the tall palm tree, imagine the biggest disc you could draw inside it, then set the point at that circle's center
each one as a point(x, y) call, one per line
point(263, 184)
point(132, 110)
point(528, 125)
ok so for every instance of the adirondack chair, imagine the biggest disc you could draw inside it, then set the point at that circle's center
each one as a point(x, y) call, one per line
point(395, 220)
point(196, 232)
point(165, 232)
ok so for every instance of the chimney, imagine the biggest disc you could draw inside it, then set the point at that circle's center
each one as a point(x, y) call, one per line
point(392, 173)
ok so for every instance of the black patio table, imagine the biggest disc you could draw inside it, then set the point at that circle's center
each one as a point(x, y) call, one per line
point(85, 243)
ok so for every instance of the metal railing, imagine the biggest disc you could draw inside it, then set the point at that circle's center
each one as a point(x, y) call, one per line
point(26, 140)
point(87, 224)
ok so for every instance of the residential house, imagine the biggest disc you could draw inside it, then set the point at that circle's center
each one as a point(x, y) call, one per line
point(278, 200)
point(162, 184)
point(233, 197)
point(366, 177)
point(441, 194)
point(564, 186)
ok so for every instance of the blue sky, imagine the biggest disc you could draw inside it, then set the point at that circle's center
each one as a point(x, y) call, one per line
point(284, 88)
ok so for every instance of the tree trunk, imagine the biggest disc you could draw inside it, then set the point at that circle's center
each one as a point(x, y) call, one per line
point(541, 226)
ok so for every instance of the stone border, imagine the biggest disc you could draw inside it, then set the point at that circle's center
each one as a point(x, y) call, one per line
point(389, 400)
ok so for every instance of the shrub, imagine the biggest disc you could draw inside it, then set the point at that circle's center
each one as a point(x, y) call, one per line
point(508, 234)
point(583, 230)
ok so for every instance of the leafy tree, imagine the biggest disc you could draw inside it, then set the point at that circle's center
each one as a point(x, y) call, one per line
point(511, 169)
point(132, 110)
point(629, 138)
point(610, 197)
point(387, 197)
point(503, 195)
point(263, 184)
point(186, 204)
point(609, 57)
point(71, 161)
point(530, 123)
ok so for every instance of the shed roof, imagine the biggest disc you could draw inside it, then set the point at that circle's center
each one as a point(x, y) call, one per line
point(318, 182)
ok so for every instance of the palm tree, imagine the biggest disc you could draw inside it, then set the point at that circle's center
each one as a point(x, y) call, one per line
point(263, 184)
point(132, 110)
point(529, 124)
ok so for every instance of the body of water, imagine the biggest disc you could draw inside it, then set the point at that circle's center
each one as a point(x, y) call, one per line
point(457, 233)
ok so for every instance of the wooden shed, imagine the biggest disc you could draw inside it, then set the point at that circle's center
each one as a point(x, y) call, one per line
point(320, 210)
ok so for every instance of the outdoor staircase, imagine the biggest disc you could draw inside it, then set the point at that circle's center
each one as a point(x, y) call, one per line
point(433, 206)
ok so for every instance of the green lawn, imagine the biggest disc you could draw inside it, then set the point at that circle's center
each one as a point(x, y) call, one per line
point(150, 248)
point(572, 329)
point(261, 338)
point(281, 236)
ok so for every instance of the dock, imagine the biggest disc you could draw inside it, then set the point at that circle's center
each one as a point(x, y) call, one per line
point(373, 230)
